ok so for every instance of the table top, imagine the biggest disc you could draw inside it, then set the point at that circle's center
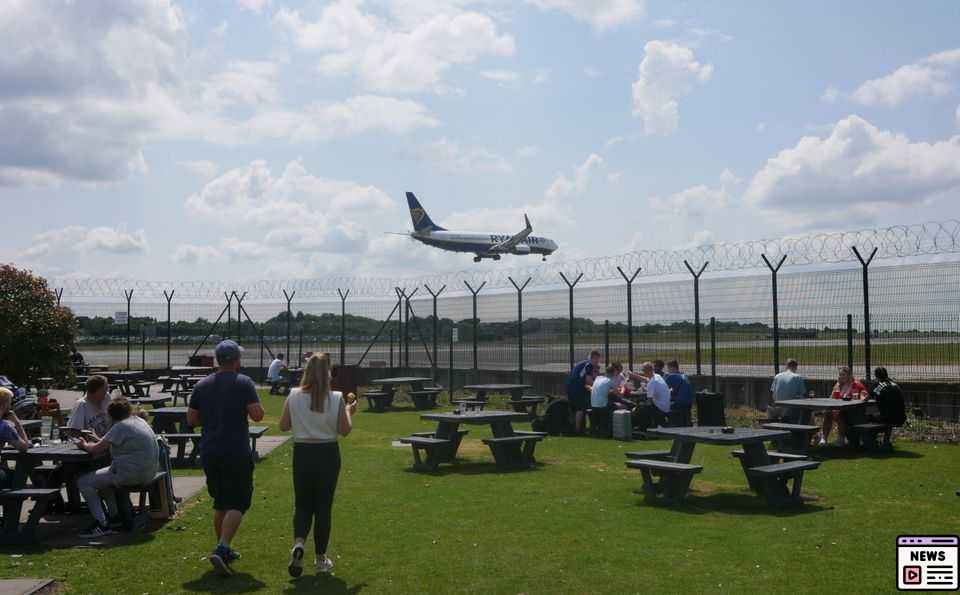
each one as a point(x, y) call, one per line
point(713, 435)
point(123, 374)
point(496, 387)
point(151, 399)
point(400, 380)
point(479, 417)
point(167, 411)
point(821, 403)
point(58, 452)
point(96, 367)
point(191, 369)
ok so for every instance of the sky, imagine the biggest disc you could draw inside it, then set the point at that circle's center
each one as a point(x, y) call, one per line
point(264, 139)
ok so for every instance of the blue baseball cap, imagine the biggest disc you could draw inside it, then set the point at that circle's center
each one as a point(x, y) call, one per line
point(227, 351)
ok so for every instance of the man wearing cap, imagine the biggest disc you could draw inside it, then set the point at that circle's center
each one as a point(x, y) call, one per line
point(221, 404)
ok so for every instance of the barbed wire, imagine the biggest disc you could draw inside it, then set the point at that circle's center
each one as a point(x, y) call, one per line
point(899, 241)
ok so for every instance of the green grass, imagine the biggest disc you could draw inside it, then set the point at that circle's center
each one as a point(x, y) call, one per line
point(571, 526)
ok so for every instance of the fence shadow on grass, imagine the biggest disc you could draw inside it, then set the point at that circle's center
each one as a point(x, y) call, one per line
point(844, 454)
point(741, 504)
point(322, 583)
point(472, 468)
point(211, 582)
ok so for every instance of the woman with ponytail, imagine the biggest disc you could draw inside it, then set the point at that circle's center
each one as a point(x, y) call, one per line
point(317, 415)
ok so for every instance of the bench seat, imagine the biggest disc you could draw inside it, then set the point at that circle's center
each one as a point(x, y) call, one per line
point(674, 481)
point(429, 446)
point(800, 435)
point(12, 501)
point(180, 440)
point(133, 521)
point(424, 399)
point(514, 452)
point(775, 457)
point(378, 401)
point(659, 455)
point(773, 479)
point(868, 434)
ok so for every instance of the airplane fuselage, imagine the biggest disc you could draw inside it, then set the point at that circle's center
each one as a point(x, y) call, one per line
point(481, 243)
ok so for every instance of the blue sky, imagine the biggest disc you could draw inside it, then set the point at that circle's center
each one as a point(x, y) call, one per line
point(247, 139)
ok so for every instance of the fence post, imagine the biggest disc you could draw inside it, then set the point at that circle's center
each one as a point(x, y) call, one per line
point(850, 341)
point(436, 327)
point(391, 351)
point(476, 321)
point(629, 281)
point(713, 354)
point(606, 342)
point(260, 340)
point(405, 316)
point(520, 289)
point(229, 297)
point(865, 263)
point(129, 295)
point(399, 327)
point(696, 308)
point(289, 298)
point(450, 368)
point(776, 314)
point(300, 344)
point(143, 349)
point(343, 326)
point(169, 298)
point(59, 293)
point(570, 287)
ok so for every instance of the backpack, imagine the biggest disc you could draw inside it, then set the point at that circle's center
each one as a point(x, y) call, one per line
point(555, 420)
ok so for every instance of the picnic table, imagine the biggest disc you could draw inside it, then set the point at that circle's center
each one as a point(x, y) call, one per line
point(514, 390)
point(188, 370)
point(169, 420)
point(762, 470)
point(851, 408)
point(387, 384)
point(32, 427)
point(66, 453)
point(511, 449)
point(154, 402)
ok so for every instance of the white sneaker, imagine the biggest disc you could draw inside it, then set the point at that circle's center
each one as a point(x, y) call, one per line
point(295, 568)
point(324, 564)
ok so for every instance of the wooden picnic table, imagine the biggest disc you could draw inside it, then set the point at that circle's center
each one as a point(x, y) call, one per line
point(514, 390)
point(188, 370)
point(66, 453)
point(448, 425)
point(387, 384)
point(154, 402)
point(170, 420)
point(852, 409)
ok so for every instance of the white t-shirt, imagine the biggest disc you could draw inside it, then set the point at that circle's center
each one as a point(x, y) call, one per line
point(314, 426)
point(600, 394)
point(659, 393)
point(87, 416)
point(273, 372)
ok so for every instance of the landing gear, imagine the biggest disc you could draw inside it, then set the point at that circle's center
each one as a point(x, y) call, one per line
point(476, 259)
point(496, 257)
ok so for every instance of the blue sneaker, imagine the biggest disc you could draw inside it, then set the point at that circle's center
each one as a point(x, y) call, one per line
point(221, 559)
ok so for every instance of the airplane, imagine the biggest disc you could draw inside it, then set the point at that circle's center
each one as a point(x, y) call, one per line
point(483, 245)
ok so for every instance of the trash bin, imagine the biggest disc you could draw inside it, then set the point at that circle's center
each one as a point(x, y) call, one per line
point(710, 409)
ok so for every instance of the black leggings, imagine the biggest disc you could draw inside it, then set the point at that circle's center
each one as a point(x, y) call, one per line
point(315, 471)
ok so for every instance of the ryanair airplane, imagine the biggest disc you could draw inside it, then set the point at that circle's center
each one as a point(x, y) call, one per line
point(482, 245)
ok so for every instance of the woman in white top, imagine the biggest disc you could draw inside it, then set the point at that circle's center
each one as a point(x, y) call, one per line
point(317, 415)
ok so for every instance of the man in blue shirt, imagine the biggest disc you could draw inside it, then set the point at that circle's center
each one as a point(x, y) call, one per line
point(787, 385)
point(578, 389)
point(681, 392)
point(221, 403)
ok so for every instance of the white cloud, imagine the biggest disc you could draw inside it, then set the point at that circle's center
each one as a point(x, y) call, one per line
point(242, 83)
point(202, 169)
point(935, 75)
point(668, 72)
point(704, 237)
point(257, 6)
point(192, 254)
point(391, 55)
point(601, 14)
point(85, 240)
point(664, 23)
point(856, 164)
point(830, 95)
point(562, 186)
point(501, 76)
point(613, 141)
point(698, 201)
point(454, 158)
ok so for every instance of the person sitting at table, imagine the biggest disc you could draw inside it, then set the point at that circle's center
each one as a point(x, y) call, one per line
point(657, 407)
point(603, 393)
point(274, 376)
point(658, 367)
point(578, 386)
point(76, 360)
point(787, 385)
point(846, 388)
point(889, 399)
point(681, 392)
point(11, 434)
point(90, 412)
point(134, 460)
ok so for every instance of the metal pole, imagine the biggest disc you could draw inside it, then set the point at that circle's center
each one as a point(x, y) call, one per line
point(229, 297)
point(240, 311)
point(629, 281)
point(436, 327)
point(476, 321)
point(776, 315)
point(696, 308)
point(866, 308)
point(399, 326)
point(450, 369)
point(520, 289)
point(713, 354)
point(606, 342)
point(300, 345)
point(343, 325)
point(570, 287)
point(169, 297)
point(289, 298)
point(260, 341)
point(405, 337)
point(391, 350)
point(59, 294)
point(129, 296)
point(377, 336)
point(143, 349)
point(850, 341)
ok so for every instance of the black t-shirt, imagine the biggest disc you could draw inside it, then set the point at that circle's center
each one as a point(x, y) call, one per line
point(889, 400)
point(222, 400)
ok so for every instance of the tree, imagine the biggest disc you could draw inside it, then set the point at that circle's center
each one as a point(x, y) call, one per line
point(35, 333)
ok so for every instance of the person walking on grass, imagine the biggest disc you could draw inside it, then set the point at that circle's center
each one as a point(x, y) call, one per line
point(317, 415)
point(221, 404)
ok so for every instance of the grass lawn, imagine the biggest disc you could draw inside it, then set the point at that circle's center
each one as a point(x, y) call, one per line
point(571, 526)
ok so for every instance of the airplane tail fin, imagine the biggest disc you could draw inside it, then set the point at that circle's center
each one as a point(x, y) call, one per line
point(421, 221)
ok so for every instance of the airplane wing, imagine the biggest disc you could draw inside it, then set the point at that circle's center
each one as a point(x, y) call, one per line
point(510, 244)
